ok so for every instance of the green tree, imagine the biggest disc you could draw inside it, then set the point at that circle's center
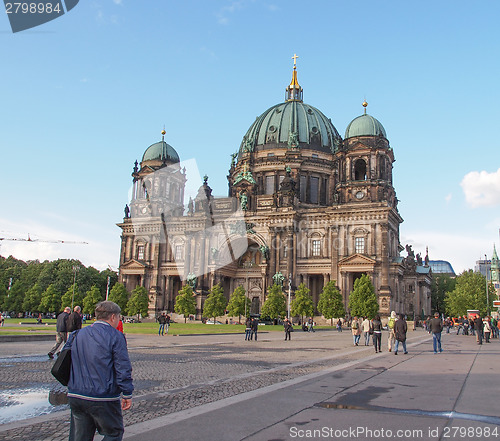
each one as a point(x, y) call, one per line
point(239, 303)
point(90, 301)
point(275, 304)
point(68, 300)
point(138, 302)
point(442, 284)
point(330, 304)
point(15, 296)
point(119, 295)
point(32, 298)
point(469, 293)
point(185, 302)
point(51, 300)
point(215, 304)
point(363, 300)
point(302, 304)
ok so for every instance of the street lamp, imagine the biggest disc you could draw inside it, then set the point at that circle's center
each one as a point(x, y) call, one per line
point(487, 296)
point(289, 293)
point(75, 269)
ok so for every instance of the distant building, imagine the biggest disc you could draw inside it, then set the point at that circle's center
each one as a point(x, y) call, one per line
point(304, 205)
point(442, 267)
point(495, 271)
point(483, 267)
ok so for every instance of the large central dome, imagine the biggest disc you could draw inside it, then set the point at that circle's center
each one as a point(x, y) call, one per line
point(292, 124)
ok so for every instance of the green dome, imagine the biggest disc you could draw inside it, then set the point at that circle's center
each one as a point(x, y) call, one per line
point(292, 123)
point(161, 151)
point(365, 125)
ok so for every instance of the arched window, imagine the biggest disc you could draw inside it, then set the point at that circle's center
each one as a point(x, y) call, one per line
point(360, 170)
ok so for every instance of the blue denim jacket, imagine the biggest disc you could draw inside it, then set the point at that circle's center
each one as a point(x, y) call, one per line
point(100, 366)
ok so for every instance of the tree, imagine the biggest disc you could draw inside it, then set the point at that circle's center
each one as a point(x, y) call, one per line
point(469, 293)
point(302, 304)
point(239, 303)
point(32, 299)
point(363, 300)
point(216, 303)
point(185, 302)
point(51, 300)
point(15, 296)
point(138, 302)
point(275, 304)
point(119, 295)
point(330, 304)
point(442, 284)
point(90, 301)
point(67, 298)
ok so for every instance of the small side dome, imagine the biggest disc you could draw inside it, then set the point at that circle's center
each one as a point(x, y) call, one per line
point(365, 125)
point(161, 151)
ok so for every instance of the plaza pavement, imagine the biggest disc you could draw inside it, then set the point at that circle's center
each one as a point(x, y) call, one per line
point(318, 386)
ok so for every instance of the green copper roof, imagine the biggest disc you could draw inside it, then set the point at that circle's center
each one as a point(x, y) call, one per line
point(161, 151)
point(292, 123)
point(365, 125)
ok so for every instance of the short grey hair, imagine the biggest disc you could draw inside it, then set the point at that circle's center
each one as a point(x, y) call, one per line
point(104, 310)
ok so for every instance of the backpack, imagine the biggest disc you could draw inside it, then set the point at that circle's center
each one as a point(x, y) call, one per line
point(390, 323)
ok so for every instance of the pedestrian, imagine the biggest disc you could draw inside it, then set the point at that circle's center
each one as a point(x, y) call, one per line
point(74, 320)
point(162, 321)
point(356, 331)
point(436, 328)
point(288, 329)
point(167, 325)
point(120, 325)
point(248, 329)
point(486, 329)
point(390, 325)
point(376, 327)
point(311, 325)
point(100, 384)
point(2, 320)
point(366, 326)
point(255, 327)
point(471, 326)
point(400, 329)
point(61, 332)
point(478, 329)
point(339, 325)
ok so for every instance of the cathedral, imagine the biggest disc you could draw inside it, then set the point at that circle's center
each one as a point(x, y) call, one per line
point(304, 206)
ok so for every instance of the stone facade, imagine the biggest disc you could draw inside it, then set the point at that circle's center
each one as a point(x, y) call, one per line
point(311, 206)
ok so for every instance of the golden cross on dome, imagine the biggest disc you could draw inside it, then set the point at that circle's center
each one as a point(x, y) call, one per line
point(295, 60)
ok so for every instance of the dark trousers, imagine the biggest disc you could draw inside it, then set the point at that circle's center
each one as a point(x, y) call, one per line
point(288, 335)
point(377, 340)
point(87, 416)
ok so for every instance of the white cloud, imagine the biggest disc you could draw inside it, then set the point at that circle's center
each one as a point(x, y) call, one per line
point(447, 198)
point(482, 188)
point(118, 2)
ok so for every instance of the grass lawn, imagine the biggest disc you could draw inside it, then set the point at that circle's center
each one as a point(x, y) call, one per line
point(12, 327)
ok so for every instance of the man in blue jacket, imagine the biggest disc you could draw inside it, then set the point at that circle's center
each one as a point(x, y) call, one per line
point(100, 384)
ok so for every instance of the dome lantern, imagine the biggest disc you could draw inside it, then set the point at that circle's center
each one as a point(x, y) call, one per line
point(294, 92)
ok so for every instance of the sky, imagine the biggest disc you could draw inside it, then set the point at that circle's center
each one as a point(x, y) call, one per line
point(83, 96)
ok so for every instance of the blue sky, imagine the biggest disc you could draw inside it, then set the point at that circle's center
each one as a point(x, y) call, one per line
point(84, 95)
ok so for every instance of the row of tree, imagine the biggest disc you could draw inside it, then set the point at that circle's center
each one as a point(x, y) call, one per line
point(362, 302)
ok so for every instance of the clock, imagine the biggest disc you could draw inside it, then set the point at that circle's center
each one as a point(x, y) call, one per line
point(360, 195)
point(144, 210)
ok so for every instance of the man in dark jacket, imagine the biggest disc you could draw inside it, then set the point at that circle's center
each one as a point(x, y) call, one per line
point(400, 329)
point(478, 327)
point(61, 331)
point(101, 377)
point(436, 326)
point(75, 319)
point(255, 327)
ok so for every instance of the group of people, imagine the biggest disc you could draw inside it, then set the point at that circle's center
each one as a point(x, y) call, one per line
point(251, 328)
point(397, 327)
point(483, 328)
point(164, 322)
point(67, 322)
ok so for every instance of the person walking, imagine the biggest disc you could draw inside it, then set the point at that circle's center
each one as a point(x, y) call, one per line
point(436, 328)
point(162, 321)
point(486, 329)
point(478, 328)
point(339, 325)
point(255, 328)
point(100, 383)
point(390, 325)
point(74, 320)
point(61, 332)
point(400, 330)
point(356, 331)
point(366, 326)
point(288, 329)
point(376, 326)
point(311, 325)
point(248, 329)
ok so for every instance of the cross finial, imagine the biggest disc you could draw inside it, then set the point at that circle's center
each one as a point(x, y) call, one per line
point(295, 60)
